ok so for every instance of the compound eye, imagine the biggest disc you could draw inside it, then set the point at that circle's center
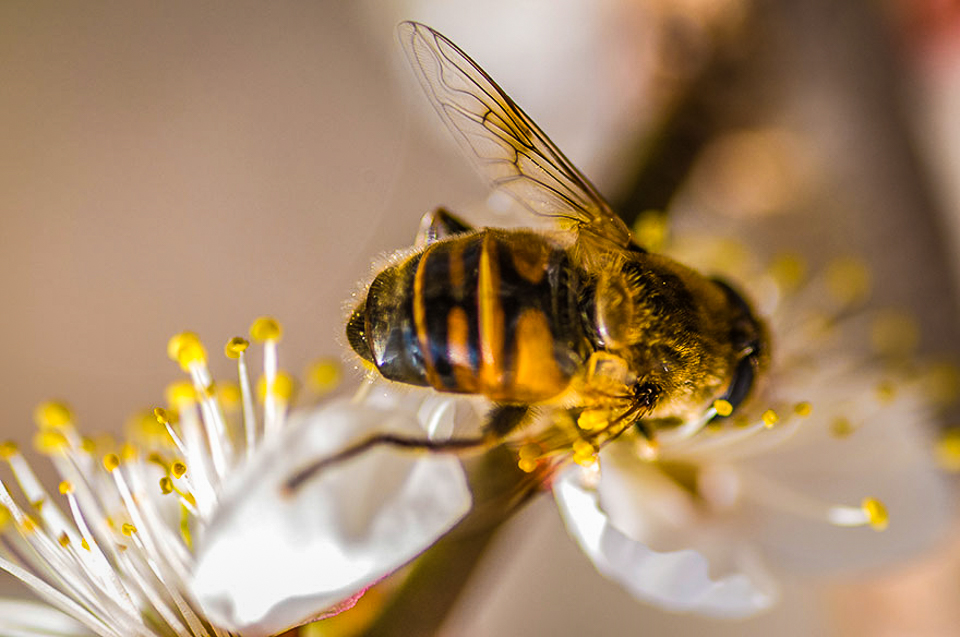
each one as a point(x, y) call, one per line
point(616, 311)
point(356, 333)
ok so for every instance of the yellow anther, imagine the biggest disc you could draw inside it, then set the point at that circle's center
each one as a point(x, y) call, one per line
point(187, 350)
point(64, 540)
point(948, 450)
point(886, 391)
point(582, 447)
point(235, 347)
point(651, 229)
point(52, 415)
point(848, 280)
point(111, 462)
point(88, 446)
point(229, 394)
point(178, 469)
point(788, 270)
point(161, 415)
point(266, 328)
point(5, 517)
point(283, 387)
point(941, 383)
point(181, 393)
point(28, 524)
point(841, 427)
point(876, 512)
point(209, 391)
point(585, 460)
point(723, 407)
point(324, 375)
point(128, 452)
point(66, 487)
point(8, 450)
point(173, 345)
point(894, 334)
point(592, 419)
point(803, 409)
point(769, 418)
point(128, 529)
point(166, 485)
point(145, 427)
point(85, 544)
point(104, 443)
point(38, 504)
point(50, 442)
point(527, 465)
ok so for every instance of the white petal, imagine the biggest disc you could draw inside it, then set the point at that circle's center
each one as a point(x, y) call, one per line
point(21, 618)
point(678, 580)
point(269, 561)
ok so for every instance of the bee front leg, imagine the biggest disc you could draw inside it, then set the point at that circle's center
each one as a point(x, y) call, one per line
point(439, 224)
point(454, 445)
point(501, 421)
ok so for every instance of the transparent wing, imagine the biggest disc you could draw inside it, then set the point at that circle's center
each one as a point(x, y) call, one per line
point(507, 146)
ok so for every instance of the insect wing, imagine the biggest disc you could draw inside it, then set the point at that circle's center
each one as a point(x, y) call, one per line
point(506, 145)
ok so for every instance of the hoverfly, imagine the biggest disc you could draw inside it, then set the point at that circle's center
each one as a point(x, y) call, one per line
point(527, 317)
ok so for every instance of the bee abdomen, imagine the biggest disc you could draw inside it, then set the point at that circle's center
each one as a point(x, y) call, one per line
point(496, 313)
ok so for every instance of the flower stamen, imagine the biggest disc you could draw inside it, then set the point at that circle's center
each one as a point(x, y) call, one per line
point(267, 330)
point(188, 351)
point(164, 419)
point(236, 349)
point(871, 511)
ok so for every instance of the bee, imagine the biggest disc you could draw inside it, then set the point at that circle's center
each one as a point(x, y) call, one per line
point(527, 317)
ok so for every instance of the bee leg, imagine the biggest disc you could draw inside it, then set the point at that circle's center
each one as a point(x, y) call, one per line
point(440, 224)
point(384, 439)
point(645, 396)
point(502, 420)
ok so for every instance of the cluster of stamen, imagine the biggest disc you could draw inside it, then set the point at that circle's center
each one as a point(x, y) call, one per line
point(116, 557)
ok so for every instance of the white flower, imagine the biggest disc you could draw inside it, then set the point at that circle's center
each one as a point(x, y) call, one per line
point(191, 531)
point(708, 521)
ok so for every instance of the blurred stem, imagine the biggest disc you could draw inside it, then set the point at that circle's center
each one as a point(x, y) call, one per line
point(703, 105)
point(437, 578)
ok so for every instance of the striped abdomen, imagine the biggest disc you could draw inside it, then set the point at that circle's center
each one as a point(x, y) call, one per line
point(493, 312)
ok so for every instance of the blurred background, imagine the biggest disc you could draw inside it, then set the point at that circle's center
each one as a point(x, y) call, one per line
point(172, 166)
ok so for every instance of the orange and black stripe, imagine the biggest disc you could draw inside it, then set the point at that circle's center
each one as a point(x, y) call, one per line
point(494, 312)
